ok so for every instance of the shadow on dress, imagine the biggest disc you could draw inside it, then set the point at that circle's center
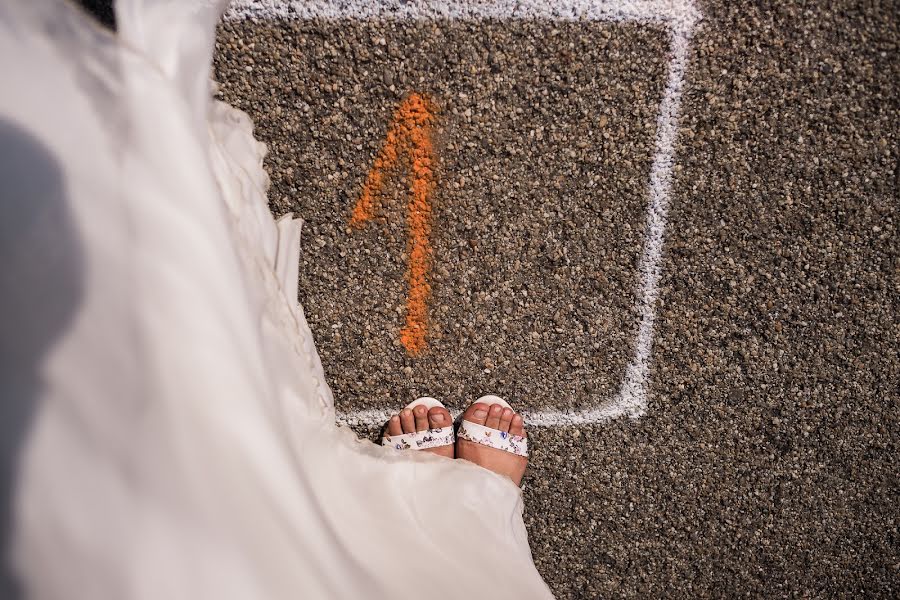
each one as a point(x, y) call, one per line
point(40, 288)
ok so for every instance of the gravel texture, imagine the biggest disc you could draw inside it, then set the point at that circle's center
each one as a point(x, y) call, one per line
point(767, 462)
point(538, 207)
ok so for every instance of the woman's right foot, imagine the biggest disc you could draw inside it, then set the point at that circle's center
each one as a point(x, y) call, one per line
point(503, 419)
point(418, 419)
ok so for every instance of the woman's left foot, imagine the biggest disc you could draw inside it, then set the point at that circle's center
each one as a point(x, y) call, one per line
point(418, 419)
point(504, 428)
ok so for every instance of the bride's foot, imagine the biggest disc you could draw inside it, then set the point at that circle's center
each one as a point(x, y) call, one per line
point(505, 420)
point(421, 418)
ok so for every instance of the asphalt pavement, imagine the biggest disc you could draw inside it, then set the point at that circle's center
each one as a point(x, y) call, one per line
point(766, 461)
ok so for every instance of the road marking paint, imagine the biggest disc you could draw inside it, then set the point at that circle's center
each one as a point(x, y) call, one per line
point(680, 17)
point(667, 12)
point(409, 133)
point(376, 417)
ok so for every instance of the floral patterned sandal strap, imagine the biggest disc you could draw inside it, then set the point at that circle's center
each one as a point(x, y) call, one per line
point(420, 440)
point(501, 440)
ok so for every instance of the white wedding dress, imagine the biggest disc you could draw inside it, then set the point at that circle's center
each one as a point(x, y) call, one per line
point(178, 438)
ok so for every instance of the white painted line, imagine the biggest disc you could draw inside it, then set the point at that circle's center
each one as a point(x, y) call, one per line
point(677, 14)
point(376, 417)
point(680, 17)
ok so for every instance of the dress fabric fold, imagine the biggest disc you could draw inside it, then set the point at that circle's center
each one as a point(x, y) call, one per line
point(180, 437)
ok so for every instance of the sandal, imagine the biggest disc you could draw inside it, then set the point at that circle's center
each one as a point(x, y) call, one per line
point(494, 438)
point(421, 440)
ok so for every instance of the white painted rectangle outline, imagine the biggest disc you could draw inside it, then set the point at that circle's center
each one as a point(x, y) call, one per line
point(680, 17)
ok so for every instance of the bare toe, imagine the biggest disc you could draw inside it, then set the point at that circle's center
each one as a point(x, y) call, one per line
point(438, 417)
point(435, 418)
point(517, 427)
point(493, 420)
point(407, 421)
point(421, 417)
point(506, 419)
point(477, 413)
point(394, 427)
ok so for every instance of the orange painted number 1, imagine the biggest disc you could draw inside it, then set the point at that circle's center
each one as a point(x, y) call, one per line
point(409, 133)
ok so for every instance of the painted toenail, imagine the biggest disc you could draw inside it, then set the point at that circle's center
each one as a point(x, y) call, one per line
point(480, 414)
